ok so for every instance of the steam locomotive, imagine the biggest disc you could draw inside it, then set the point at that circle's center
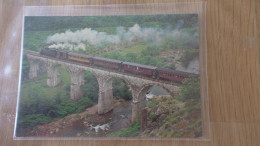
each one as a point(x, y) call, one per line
point(144, 70)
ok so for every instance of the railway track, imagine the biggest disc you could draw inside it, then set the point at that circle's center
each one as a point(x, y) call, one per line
point(34, 53)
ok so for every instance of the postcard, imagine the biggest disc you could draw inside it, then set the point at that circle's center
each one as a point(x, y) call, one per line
point(131, 76)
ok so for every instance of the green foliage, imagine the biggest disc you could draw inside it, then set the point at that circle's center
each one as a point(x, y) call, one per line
point(33, 23)
point(170, 101)
point(33, 119)
point(132, 131)
point(83, 103)
point(172, 66)
point(131, 56)
point(134, 48)
point(121, 89)
point(114, 55)
point(183, 122)
point(150, 51)
point(25, 68)
point(66, 108)
point(152, 116)
point(152, 103)
point(41, 104)
point(172, 120)
point(143, 58)
point(90, 89)
point(190, 89)
point(34, 40)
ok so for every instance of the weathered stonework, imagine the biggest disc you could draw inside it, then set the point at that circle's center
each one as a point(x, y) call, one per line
point(34, 67)
point(138, 84)
point(105, 94)
point(53, 74)
point(143, 119)
point(77, 79)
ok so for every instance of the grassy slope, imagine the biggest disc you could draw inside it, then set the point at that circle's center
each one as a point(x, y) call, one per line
point(40, 82)
point(41, 104)
point(177, 119)
point(134, 48)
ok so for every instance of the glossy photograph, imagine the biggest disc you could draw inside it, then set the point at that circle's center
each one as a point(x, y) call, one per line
point(131, 76)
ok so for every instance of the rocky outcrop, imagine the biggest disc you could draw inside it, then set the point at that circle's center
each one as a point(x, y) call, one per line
point(170, 118)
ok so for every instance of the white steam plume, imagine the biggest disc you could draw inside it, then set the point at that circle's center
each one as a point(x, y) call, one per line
point(69, 46)
point(75, 40)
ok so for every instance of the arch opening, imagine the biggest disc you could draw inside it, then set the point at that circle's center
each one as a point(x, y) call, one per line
point(90, 87)
point(121, 89)
point(116, 97)
point(150, 92)
point(149, 97)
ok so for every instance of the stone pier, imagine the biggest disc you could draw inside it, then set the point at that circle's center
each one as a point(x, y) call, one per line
point(77, 79)
point(53, 74)
point(138, 102)
point(34, 67)
point(105, 94)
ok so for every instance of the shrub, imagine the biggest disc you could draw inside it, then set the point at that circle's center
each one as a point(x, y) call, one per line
point(171, 66)
point(152, 116)
point(190, 89)
point(121, 89)
point(132, 131)
point(173, 120)
point(152, 103)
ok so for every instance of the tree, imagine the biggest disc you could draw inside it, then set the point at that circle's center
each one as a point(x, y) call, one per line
point(190, 89)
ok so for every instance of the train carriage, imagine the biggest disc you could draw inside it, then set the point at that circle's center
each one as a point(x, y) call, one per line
point(107, 63)
point(140, 69)
point(145, 70)
point(174, 75)
point(80, 58)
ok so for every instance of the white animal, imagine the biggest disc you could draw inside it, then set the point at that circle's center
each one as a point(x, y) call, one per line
point(102, 127)
point(96, 128)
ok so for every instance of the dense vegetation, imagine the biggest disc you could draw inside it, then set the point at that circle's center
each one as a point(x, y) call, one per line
point(131, 131)
point(180, 117)
point(46, 23)
point(40, 104)
point(167, 117)
point(190, 89)
point(172, 118)
point(121, 89)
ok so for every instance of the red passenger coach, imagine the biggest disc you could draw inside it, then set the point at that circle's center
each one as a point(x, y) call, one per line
point(107, 63)
point(144, 70)
point(139, 69)
point(174, 75)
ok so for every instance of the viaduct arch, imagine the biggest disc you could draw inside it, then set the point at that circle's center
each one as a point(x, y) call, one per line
point(138, 84)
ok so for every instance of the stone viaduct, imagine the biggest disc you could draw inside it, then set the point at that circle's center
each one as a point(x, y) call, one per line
point(138, 85)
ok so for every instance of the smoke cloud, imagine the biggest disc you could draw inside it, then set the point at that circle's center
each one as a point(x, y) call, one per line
point(69, 46)
point(77, 40)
